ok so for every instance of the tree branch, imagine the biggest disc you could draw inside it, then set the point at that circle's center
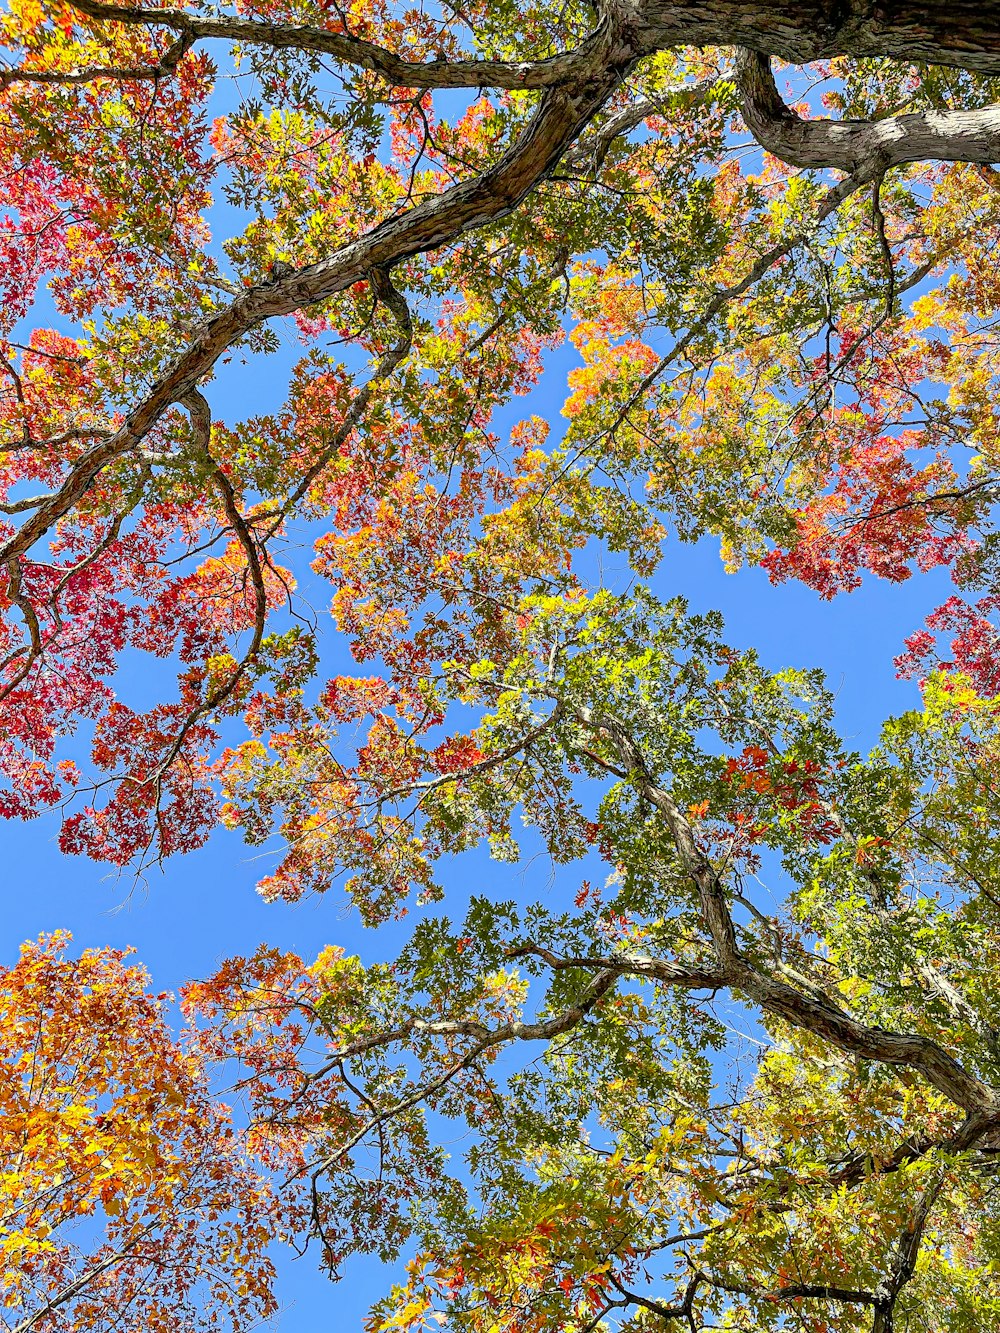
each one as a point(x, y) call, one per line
point(467, 206)
point(904, 1263)
point(803, 1010)
point(486, 1039)
point(167, 64)
point(866, 146)
point(349, 50)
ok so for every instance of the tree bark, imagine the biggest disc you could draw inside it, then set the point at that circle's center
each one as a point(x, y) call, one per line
point(865, 146)
point(960, 33)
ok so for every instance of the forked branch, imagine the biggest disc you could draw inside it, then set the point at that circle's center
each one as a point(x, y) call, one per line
point(867, 147)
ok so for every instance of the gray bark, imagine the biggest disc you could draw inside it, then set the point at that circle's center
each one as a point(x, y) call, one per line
point(860, 145)
point(959, 33)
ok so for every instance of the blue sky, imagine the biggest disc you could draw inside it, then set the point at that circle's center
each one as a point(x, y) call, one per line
point(199, 909)
point(195, 911)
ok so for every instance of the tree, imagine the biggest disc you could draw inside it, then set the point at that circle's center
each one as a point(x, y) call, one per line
point(785, 340)
point(126, 1198)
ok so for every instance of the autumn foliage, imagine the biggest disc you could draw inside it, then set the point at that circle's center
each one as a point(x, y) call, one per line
point(547, 287)
point(126, 1194)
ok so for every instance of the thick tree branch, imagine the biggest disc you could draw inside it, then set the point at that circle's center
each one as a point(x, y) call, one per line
point(866, 146)
point(436, 222)
point(656, 969)
point(803, 1010)
point(348, 50)
point(16, 596)
point(937, 982)
point(959, 33)
point(846, 1172)
point(796, 1291)
point(963, 34)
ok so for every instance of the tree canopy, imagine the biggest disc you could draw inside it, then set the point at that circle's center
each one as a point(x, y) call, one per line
point(768, 234)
